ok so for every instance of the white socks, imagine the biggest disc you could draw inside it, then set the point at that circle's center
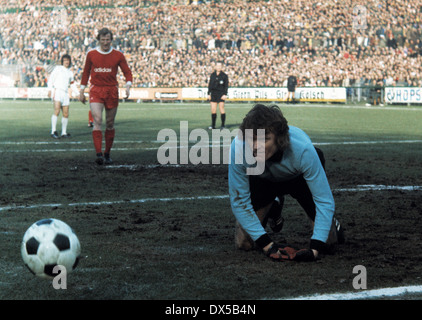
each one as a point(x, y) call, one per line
point(64, 125)
point(54, 124)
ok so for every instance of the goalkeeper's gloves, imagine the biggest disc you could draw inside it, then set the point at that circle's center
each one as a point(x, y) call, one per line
point(283, 253)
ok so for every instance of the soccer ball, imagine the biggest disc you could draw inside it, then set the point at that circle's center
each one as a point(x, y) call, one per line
point(48, 243)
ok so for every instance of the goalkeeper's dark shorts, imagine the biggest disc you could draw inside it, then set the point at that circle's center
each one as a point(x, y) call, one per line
point(263, 191)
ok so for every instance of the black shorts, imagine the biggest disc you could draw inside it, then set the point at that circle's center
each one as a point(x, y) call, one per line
point(263, 191)
point(216, 97)
point(291, 89)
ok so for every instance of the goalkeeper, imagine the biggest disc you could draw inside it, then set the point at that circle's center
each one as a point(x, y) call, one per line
point(292, 166)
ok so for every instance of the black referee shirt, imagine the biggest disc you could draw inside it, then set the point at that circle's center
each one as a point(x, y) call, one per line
point(218, 83)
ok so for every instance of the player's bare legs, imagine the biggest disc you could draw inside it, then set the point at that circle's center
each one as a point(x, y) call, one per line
point(290, 96)
point(97, 114)
point(65, 111)
point(242, 239)
point(110, 116)
point(214, 107)
point(221, 107)
point(57, 107)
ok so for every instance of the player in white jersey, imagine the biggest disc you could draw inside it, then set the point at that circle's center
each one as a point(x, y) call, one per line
point(58, 83)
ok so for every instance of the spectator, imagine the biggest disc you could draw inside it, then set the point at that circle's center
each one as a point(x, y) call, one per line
point(168, 38)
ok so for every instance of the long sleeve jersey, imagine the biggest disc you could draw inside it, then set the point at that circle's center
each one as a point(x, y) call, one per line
point(300, 158)
point(103, 67)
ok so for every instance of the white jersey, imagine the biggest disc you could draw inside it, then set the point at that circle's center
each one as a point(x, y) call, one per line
point(60, 78)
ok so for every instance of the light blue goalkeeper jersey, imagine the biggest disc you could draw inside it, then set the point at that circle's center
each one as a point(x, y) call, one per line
point(300, 158)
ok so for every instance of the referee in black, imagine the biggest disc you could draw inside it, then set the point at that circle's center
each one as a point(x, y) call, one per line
point(291, 87)
point(218, 87)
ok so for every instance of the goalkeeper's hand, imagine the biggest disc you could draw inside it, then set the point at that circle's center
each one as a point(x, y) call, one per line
point(283, 253)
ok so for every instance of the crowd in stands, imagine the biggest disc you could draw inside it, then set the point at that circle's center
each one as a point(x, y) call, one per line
point(176, 43)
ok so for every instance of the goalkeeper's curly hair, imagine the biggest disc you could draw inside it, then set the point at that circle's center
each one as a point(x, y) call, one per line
point(269, 118)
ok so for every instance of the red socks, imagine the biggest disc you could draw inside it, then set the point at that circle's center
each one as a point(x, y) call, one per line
point(97, 137)
point(109, 138)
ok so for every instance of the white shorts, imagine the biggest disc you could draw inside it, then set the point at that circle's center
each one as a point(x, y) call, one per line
point(61, 96)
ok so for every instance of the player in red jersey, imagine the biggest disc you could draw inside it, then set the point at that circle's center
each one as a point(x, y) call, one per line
point(101, 64)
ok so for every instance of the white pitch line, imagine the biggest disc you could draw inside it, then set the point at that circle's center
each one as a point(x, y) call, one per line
point(145, 106)
point(62, 150)
point(225, 196)
point(114, 149)
point(101, 203)
point(193, 141)
point(69, 142)
point(133, 167)
point(364, 294)
point(365, 142)
point(17, 143)
point(373, 187)
point(184, 147)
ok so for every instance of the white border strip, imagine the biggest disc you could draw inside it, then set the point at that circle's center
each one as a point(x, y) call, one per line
point(365, 142)
point(184, 147)
point(194, 141)
point(381, 187)
point(100, 203)
point(364, 294)
point(70, 142)
point(226, 196)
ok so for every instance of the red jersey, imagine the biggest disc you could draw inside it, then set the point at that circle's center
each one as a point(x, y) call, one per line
point(103, 67)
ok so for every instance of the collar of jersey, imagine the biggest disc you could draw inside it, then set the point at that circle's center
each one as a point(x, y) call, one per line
point(102, 52)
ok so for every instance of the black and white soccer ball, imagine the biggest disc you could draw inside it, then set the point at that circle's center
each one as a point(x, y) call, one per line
point(48, 243)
